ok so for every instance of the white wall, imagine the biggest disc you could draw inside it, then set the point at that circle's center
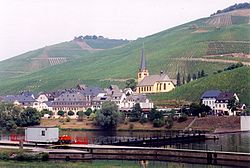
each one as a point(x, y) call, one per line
point(245, 123)
point(34, 134)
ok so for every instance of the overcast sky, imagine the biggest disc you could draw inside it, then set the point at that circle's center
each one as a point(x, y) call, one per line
point(31, 24)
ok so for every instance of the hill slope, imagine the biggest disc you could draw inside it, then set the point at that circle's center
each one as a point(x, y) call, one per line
point(187, 48)
point(237, 80)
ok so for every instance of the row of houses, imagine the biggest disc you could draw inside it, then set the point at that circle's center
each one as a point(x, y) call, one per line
point(219, 101)
point(80, 99)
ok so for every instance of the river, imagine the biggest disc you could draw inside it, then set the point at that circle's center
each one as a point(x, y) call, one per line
point(239, 142)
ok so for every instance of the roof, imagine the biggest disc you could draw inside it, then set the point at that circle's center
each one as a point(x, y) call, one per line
point(210, 94)
point(143, 65)
point(91, 91)
point(152, 79)
point(67, 97)
point(225, 96)
point(137, 98)
point(19, 98)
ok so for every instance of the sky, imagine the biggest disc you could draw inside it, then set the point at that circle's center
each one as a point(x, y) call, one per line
point(31, 24)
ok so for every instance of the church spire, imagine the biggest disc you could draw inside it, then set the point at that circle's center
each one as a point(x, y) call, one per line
point(143, 60)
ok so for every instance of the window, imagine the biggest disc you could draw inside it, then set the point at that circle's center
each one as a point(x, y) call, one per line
point(165, 87)
point(43, 132)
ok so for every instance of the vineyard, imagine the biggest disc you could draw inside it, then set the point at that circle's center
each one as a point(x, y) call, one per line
point(222, 47)
point(57, 60)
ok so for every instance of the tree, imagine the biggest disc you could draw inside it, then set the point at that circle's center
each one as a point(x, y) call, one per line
point(202, 73)
point(108, 116)
point(232, 104)
point(195, 109)
point(183, 80)
point(88, 112)
point(135, 113)
point(60, 113)
point(80, 115)
point(199, 74)
point(30, 117)
point(178, 79)
point(46, 111)
point(188, 78)
point(71, 113)
point(194, 77)
point(131, 83)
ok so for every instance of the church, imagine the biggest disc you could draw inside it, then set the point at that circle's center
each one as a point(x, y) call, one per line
point(152, 83)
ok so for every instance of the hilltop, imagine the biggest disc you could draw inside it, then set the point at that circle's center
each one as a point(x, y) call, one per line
point(56, 54)
point(187, 48)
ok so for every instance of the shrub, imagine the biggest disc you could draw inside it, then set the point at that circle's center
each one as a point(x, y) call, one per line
point(158, 122)
point(143, 119)
point(67, 119)
point(92, 116)
point(169, 122)
point(71, 113)
point(88, 112)
point(182, 118)
point(60, 113)
point(131, 126)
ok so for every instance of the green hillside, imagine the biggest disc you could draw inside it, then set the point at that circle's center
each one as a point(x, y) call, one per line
point(178, 49)
point(237, 80)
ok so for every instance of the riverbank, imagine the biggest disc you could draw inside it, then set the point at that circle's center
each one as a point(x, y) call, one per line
point(212, 124)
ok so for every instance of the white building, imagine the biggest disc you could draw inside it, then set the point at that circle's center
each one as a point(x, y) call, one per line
point(208, 98)
point(42, 134)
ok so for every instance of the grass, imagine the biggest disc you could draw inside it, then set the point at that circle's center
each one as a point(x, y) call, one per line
point(100, 67)
point(97, 164)
point(63, 164)
point(237, 80)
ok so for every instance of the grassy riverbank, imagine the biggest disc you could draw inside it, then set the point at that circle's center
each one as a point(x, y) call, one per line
point(210, 123)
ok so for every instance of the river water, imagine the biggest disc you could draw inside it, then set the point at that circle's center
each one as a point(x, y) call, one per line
point(239, 142)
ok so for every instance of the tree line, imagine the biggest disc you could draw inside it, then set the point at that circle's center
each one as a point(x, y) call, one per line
point(12, 116)
point(233, 7)
point(194, 76)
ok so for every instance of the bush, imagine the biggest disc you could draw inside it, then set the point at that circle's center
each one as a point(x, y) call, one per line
point(71, 113)
point(4, 156)
point(182, 118)
point(158, 122)
point(60, 113)
point(169, 122)
point(92, 116)
point(88, 112)
point(143, 119)
point(131, 126)
point(67, 119)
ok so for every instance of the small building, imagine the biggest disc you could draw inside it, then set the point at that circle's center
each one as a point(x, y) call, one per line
point(42, 134)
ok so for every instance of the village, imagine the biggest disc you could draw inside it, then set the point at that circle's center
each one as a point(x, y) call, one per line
point(69, 102)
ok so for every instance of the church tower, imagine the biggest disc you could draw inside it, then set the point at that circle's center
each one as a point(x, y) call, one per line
point(143, 71)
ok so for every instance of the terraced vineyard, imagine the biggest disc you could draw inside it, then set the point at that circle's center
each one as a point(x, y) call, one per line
point(226, 47)
point(179, 49)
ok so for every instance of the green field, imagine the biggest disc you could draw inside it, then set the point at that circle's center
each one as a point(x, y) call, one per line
point(110, 66)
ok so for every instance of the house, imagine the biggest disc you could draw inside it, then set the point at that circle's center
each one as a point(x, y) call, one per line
point(209, 97)
point(39, 106)
point(131, 100)
point(152, 83)
point(222, 101)
point(70, 102)
point(21, 100)
point(42, 97)
point(99, 100)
